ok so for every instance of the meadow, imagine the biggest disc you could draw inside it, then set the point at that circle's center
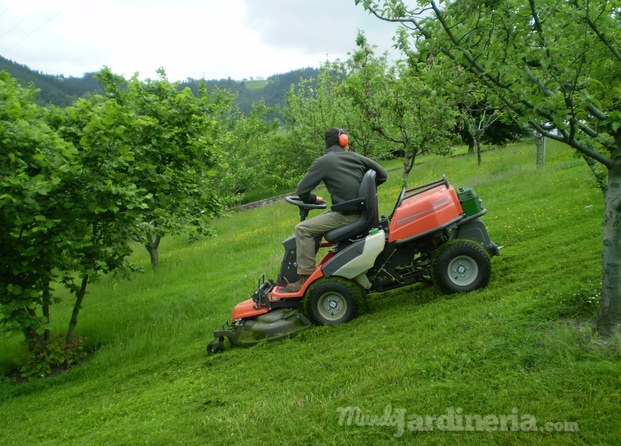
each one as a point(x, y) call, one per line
point(516, 363)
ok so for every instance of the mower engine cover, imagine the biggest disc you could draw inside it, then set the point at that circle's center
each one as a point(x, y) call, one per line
point(425, 212)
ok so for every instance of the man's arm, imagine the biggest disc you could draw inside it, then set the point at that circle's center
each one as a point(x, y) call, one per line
point(312, 178)
point(382, 175)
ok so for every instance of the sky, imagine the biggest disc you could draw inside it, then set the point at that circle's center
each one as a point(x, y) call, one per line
point(210, 39)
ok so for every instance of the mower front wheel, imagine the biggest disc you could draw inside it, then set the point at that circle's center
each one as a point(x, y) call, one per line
point(332, 303)
point(461, 266)
point(216, 346)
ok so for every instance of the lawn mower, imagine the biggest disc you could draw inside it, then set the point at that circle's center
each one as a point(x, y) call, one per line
point(434, 235)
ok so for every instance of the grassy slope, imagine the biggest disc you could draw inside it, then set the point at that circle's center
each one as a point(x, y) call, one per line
point(511, 348)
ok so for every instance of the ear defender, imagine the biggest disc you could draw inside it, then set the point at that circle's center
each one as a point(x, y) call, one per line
point(343, 138)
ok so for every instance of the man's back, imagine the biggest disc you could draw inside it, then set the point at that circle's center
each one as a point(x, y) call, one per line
point(341, 171)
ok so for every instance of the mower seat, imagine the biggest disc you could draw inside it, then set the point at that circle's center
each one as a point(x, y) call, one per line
point(367, 204)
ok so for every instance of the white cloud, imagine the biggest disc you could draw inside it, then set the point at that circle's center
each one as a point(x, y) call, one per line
point(188, 38)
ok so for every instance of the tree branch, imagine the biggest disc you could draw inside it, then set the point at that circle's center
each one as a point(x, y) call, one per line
point(497, 86)
point(600, 35)
point(579, 146)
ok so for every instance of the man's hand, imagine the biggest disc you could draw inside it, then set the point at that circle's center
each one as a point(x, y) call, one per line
point(319, 200)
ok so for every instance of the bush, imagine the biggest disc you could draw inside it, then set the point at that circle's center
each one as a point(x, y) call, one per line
point(51, 357)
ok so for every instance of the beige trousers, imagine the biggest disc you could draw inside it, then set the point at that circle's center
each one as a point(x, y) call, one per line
point(308, 235)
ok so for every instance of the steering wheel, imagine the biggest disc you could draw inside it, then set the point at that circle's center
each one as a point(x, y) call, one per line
point(294, 199)
point(304, 207)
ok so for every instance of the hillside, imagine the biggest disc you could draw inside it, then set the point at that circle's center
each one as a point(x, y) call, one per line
point(62, 91)
point(271, 91)
point(516, 363)
point(57, 90)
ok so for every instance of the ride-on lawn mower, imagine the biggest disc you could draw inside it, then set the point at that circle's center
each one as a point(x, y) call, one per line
point(433, 234)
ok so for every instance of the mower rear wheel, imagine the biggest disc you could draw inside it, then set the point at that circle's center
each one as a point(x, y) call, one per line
point(461, 266)
point(332, 303)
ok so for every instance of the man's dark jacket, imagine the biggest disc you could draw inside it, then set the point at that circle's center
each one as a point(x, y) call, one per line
point(341, 171)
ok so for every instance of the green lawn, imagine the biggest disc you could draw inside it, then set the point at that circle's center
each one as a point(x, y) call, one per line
point(490, 365)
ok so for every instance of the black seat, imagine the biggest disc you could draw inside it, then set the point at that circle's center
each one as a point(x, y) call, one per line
point(367, 205)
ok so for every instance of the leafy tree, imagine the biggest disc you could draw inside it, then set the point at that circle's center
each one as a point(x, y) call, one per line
point(313, 106)
point(248, 152)
point(400, 104)
point(171, 137)
point(364, 84)
point(104, 200)
point(482, 119)
point(556, 65)
point(78, 183)
point(38, 232)
point(478, 118)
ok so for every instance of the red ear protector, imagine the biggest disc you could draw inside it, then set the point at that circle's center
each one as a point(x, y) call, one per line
point(343, 138)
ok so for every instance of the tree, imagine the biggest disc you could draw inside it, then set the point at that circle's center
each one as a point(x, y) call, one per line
point(479, 117)
point(104, 201)
point(313, 106)
point(361, 82)
point(250, 158)
point(172, 137)
point(38, 234)
point(63, 211)
point(399, 103)
point(557, 66)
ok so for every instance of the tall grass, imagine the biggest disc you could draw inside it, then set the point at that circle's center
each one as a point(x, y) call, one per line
point(523, 347)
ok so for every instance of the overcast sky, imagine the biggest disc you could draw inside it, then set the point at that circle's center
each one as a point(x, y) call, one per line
point(209, 39)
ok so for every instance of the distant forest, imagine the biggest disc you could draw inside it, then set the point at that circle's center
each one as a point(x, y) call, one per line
point(62, 91)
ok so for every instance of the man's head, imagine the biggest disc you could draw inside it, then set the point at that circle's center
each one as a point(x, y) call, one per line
point(337, 137)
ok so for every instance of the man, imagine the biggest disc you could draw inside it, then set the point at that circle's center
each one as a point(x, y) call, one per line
point(341, 171)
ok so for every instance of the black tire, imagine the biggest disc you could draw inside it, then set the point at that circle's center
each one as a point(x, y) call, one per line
point(461, 266)
point(332, 303)
point(216, 346)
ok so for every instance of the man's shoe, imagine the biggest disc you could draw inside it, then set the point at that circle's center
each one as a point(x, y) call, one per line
point(296, 286)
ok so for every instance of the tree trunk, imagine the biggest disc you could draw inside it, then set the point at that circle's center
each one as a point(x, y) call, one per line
point(76, 309)
point(31, 338)
point(478, 145)
point(408, 163)
point(45, 308)
point(152, 245)
point(540, 141)
point(471, 130)
point(610, 308)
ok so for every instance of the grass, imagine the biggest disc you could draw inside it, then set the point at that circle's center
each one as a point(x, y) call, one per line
point(522, 349)
point(256, 84)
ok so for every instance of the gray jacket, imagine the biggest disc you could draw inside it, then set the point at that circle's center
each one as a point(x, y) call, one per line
point(341, 171)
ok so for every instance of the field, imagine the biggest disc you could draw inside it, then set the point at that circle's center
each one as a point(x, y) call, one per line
point(516, 363)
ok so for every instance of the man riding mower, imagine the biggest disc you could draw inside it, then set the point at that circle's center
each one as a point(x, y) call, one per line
point(434, 234)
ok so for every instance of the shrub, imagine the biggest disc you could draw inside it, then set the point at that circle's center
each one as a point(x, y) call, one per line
point(51, 357)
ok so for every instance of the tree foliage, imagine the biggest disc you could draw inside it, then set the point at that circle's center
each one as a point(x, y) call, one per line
point(251, 156)
point(37, 169)
point(404, 110)
point(174, 136)
point(77, 184)
point(556, 66)
point(388, 110)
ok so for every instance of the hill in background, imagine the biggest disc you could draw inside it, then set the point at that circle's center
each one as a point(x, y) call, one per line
point(56, 90)
point(62, 91)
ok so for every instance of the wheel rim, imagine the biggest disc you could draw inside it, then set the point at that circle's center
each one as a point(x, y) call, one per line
point(463, 270)
point(332, 306)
